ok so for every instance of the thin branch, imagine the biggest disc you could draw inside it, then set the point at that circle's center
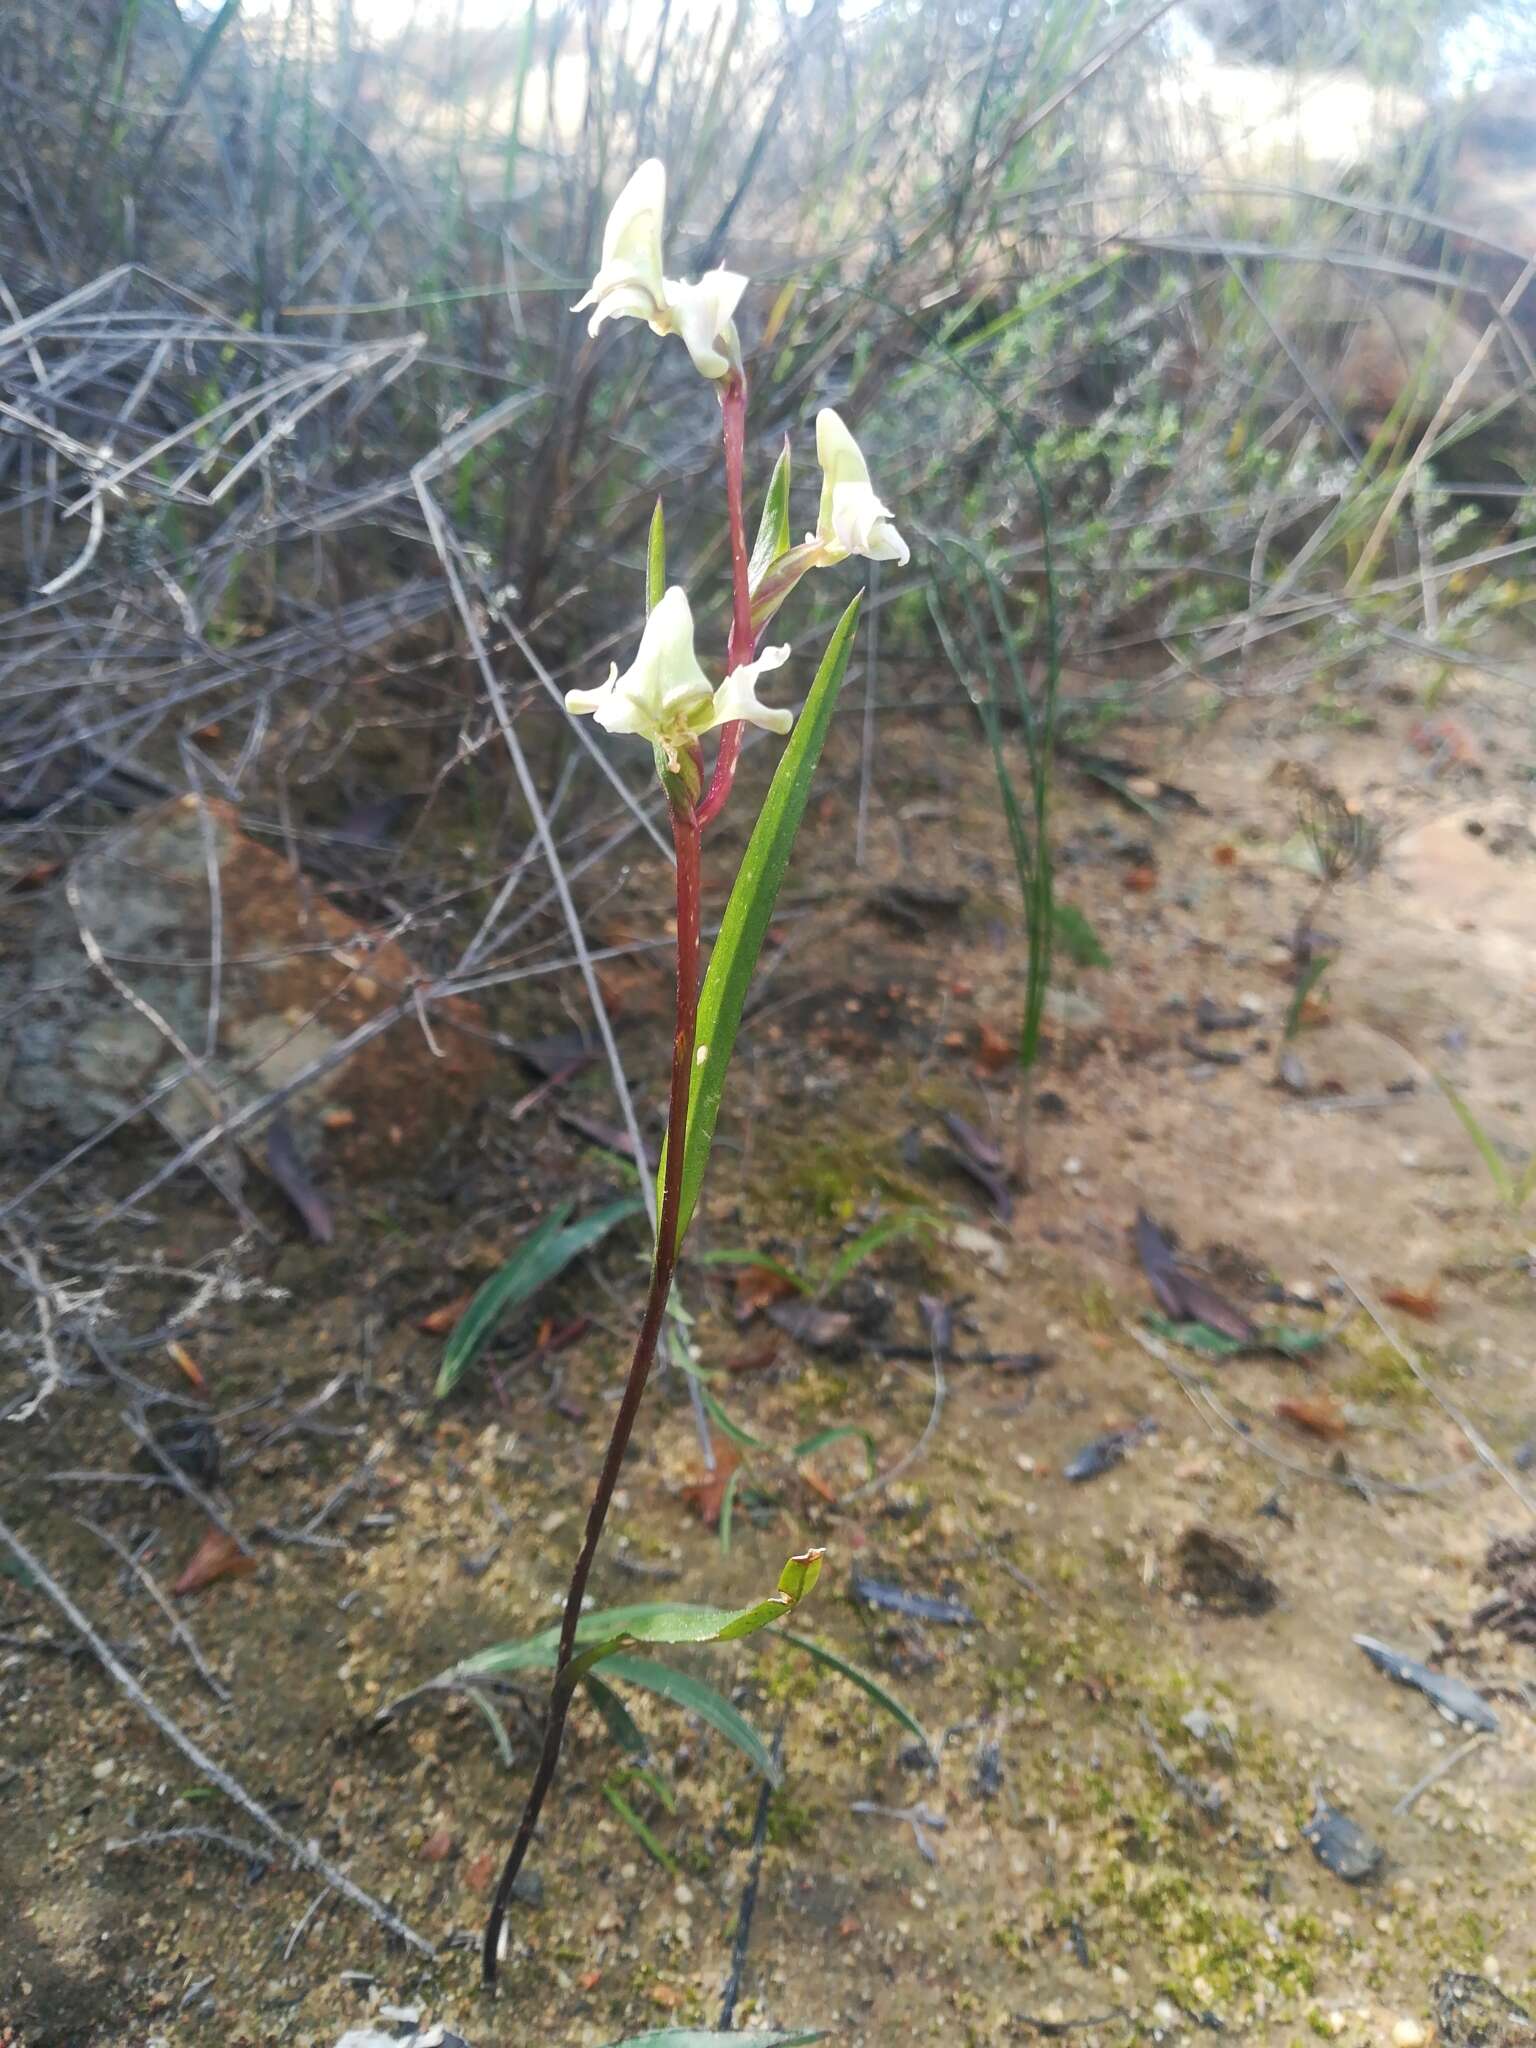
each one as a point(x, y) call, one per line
point(303, 1853)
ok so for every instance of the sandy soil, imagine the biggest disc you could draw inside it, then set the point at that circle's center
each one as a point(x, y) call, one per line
point(1124, 1769)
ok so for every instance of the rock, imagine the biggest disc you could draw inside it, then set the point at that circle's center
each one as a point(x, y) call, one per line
point(299, 981)
point(1408, 2034)
point(1472, 2013)
point(1221, 1576)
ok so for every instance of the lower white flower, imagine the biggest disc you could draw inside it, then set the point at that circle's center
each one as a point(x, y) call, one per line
point(851, 520)
point(666, 698)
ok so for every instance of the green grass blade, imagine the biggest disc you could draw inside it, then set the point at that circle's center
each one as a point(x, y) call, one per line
point(1498, 1172)
point(740, 1255)
point(840, 1432)
point(1312, 975)
point(543, 1254)
point(1077, 938)
point(639, 1830)
point(655, 561)
point(886, 1701)
point(751, 906)
point(869, 1243)
point(773, 528)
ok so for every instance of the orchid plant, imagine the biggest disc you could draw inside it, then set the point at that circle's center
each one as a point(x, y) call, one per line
point(666, 697)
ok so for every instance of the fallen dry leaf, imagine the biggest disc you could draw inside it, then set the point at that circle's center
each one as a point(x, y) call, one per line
point(756, 1359)
point(40, 871)
point(707, 1495)
point(437, 1322)
point(1141, 880)
point(438, 1846)
point(1422, 1302)
point(757, 1287)
point(478, 1874)
point(218, 1556)
point(1224, 856)
point(993, 1048)
point(1321, 1416)
point(182, 1358)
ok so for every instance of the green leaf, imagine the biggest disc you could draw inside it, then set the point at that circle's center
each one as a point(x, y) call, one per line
point(1290, 1343)
point(1195, 1337)
point(655, 561)
point(1498, 1172)
point(870, 1242)
point(751, 905)
point(1077, 937)
point(773, 528)
point(886, 1701)
point(708, 2037)
point(1315, 971)
point(742, 1438)
point(679, 1687)
point(617, 1718)
point(543, 1253)
point(638, 1829)
point(739, 1255)
point(695, 1696)
point(839, 1433)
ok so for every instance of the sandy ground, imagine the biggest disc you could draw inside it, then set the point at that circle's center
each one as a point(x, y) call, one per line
point(1123, 1768)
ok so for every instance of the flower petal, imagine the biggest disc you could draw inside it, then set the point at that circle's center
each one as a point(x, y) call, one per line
point(629, 285)
point(703, 314)
point(862, 525)
point(736, 697)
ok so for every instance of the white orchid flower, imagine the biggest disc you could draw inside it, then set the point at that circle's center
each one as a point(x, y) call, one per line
point(852, 520)
point(630, 285)
point(666, 697)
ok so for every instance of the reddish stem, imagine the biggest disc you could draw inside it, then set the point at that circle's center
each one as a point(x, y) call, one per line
point(739, 648)
point(685, 838)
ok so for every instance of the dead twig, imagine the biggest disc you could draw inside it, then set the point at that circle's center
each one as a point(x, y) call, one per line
point(1441, 1769)
point(177, 1626)
point(303, 1853)
point(1487, 1455)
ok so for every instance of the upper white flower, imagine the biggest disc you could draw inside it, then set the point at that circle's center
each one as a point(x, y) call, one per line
point(852, 520)
point(630, 285)
point(666, 697)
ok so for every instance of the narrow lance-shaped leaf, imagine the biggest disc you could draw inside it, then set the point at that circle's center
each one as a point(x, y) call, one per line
point(751, 906)
point(546, 1251)
point(773, 528)
point(692, 1624)
point(656, 561)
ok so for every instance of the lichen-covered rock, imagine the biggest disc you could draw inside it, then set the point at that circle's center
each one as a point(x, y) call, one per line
point(1472, 2013)
point(125, 1003)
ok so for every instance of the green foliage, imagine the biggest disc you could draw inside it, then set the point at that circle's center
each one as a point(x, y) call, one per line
point(751, 905)
point(1513, 1189)
point(543, 1254)
point(605, 1636)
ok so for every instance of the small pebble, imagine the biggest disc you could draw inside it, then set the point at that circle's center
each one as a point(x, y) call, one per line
point(1408, 2034)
